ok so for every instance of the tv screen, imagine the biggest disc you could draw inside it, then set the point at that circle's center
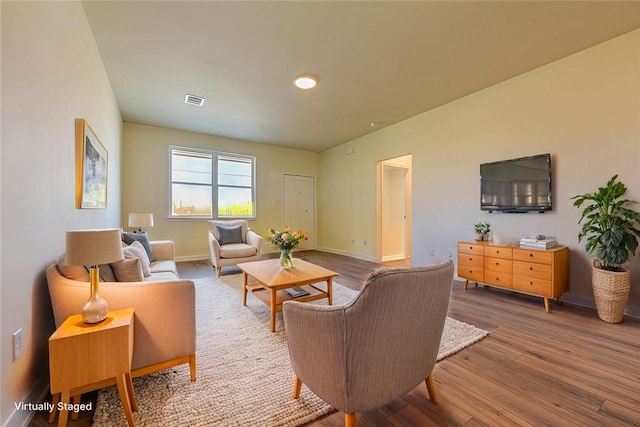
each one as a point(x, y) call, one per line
point(516, 185)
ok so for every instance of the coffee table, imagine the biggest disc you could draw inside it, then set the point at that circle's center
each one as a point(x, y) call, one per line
point(270, 281)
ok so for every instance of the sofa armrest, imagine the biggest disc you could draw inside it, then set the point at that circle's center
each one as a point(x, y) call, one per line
point(164, 312)
point(163, 250)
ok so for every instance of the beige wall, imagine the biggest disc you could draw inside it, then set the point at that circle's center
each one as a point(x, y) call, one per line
point(51, 74)
point(146, 181)
point(583, 109)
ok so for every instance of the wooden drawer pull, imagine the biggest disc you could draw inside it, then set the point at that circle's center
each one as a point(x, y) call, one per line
point(531, 255)
point(531, 268)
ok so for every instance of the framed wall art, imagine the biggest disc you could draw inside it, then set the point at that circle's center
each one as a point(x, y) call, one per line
point(91, 168)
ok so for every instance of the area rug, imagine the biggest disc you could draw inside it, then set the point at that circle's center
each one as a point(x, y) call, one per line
point(244, 375)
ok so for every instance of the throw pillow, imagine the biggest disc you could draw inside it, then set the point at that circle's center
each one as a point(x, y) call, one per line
point(106, 273)
point(128, 270)
point(73, 272)
point(231, 234)
point(135, 250)
point(129, 238)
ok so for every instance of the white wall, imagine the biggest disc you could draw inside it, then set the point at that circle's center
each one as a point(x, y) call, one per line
point(146, 178)
point(51, 74)
point(583, 109)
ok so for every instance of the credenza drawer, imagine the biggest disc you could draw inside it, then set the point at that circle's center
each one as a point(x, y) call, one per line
point(475, 274)
point(533, 270)
point(470, 248)
point(498, 252)
point(498, 278)
point(497, 264)
point(533, 286)
point(470, 260)
point(533, 255)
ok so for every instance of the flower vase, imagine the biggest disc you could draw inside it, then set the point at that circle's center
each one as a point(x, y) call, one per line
point(286, 261)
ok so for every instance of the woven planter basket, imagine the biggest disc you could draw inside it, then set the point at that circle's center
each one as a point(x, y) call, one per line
point(611, 292)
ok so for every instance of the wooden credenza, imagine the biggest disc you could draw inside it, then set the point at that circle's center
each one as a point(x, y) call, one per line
point(540, 272)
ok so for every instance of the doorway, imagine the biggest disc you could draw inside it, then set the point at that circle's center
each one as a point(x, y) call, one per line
point(300, 206)
point(393, 213)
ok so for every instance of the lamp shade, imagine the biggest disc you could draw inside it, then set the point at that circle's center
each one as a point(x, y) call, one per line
point(93, 247)
point(140, 220)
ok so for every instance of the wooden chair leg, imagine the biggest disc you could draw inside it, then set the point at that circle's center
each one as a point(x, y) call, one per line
point(297, 386)
point(192, 367)
point(218, 271)
point(430, 388)
point(350, 419)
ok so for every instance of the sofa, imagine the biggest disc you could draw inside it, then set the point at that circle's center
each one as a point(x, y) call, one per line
point(164, 306)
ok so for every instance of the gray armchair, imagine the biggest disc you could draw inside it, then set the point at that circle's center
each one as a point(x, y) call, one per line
point(232, 242)
point(366, 353)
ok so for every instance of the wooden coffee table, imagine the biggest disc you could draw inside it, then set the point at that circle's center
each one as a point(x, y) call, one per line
point(271, 280)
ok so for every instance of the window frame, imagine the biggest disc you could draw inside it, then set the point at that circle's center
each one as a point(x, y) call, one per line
point(214, 186)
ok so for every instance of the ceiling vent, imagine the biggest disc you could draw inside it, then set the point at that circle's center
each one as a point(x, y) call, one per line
point(194, 100)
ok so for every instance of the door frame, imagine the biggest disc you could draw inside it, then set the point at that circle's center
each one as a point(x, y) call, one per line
point(401, 162)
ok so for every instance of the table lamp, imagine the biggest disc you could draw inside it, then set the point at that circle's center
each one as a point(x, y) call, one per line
point(92, 248)
point(140, 220)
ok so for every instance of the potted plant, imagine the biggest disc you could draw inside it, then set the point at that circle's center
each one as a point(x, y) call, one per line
point(612, 231)
point(482, 230)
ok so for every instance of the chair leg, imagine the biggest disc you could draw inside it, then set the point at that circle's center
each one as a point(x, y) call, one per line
point(192, 367)
point(218, 271)
point(297, 386)
point(430, 388)
point(350, 419)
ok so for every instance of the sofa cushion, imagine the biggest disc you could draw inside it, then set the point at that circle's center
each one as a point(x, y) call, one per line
point(136, 250)
point(166, 266)
point(229, 234)
point(163, 275)
point(73, 272)
point(128, 270)
point(237, 250)
point(129, 238)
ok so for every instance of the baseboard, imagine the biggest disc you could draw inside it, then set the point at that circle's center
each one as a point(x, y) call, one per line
point(397, 257)
point(349, 254)
point(22, 417)
point(192, 257)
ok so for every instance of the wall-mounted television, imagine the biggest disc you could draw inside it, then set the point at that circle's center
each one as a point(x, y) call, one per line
point(516, 185)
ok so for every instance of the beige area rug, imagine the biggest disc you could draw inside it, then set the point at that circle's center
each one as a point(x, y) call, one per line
point(244, 375)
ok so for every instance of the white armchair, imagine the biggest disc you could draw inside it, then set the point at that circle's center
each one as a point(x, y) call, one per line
point(232, 242)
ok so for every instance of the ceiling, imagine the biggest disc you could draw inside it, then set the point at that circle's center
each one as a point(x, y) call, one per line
point(380, 61)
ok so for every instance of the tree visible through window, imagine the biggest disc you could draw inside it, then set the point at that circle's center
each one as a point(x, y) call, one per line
point(208, 184)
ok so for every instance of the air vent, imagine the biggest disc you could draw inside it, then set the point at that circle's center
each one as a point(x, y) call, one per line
point(194, 100)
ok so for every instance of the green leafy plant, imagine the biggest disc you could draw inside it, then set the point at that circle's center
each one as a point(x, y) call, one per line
point(482, 227)
point(611, 229)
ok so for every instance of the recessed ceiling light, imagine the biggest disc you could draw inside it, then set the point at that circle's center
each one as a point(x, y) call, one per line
point(305, 81)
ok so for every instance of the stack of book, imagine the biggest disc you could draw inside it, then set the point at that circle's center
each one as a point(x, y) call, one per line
point(538, 243)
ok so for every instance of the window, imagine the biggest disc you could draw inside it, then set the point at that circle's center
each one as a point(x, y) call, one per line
point(208, 184)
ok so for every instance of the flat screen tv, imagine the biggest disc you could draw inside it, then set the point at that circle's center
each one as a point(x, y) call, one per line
point(516, 185)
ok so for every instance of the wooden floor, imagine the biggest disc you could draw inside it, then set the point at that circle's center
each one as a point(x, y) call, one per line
point(563, 368)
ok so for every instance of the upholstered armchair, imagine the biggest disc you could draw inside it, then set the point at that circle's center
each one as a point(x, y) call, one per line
point(232, 242)
point(372, 350)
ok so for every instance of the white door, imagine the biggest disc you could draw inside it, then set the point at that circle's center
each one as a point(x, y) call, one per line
point(394, 213)
point(300, 206)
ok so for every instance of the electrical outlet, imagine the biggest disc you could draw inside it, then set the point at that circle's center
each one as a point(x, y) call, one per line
point(450, 254)
point(353, 242)
point(364, 242)
point(16, 344)
point(432, 252)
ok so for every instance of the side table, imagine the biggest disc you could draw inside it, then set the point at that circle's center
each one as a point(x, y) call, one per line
point(85, 357)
